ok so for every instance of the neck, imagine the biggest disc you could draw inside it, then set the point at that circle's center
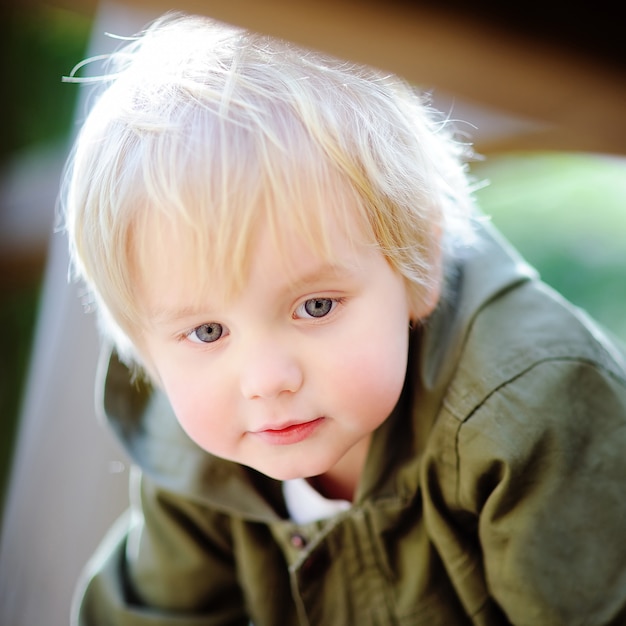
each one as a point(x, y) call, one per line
point(341, 481)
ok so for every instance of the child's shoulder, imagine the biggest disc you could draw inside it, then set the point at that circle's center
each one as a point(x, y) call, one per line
point(536, 380)
point(537, 394)
point(526, 360)
point(514, 323)
point(531, 328)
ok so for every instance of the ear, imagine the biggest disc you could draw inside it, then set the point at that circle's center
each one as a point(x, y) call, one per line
point(424, 299)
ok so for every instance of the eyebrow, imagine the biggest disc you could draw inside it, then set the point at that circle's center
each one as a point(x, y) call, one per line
point(166, 316)
point(163, 315)
point(320, 274)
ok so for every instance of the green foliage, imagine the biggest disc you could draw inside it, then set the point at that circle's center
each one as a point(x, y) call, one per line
point(39, 44)
point(18, 314)
point(566, 213)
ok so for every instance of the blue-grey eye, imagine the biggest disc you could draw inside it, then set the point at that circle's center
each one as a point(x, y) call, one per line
point(207, 333)
point(318, 307)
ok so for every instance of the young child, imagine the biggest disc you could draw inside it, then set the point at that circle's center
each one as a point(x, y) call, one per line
point(347, 400)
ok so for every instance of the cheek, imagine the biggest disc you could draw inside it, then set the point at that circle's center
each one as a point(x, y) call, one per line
point(367, 381)
point(371, 359)
point(198, 408)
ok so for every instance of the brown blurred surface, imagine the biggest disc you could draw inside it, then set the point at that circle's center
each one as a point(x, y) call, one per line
point(560, 65)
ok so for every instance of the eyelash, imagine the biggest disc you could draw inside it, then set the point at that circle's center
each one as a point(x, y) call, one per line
point(188, 335)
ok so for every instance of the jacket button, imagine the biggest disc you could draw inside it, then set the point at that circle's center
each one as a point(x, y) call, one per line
point(298, 541)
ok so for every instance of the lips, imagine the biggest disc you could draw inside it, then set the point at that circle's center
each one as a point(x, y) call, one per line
point(289, 433)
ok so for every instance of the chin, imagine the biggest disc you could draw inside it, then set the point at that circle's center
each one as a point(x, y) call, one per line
point(283, 475)
point(293, 471)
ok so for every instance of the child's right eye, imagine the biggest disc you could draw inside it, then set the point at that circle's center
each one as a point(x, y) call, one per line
point(317, 307)
point(206, 333)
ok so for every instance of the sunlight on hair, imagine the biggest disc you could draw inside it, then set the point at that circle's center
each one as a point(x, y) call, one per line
point(213, 128)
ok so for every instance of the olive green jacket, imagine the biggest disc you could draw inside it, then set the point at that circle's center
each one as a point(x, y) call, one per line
point(495, 493)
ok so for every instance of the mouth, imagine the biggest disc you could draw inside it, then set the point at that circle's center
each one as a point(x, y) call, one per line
point(289, 433)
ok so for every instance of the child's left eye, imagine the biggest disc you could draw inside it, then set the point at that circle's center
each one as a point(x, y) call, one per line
point(206, 333)
point(316, 307)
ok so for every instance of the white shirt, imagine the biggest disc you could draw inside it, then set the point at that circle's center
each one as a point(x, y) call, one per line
point(305, 504)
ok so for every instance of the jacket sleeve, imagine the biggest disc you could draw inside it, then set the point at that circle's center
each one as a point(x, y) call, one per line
point(167, 561)
point(528, 506)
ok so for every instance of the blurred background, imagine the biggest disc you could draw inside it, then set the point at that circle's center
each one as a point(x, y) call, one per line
point(542, 98)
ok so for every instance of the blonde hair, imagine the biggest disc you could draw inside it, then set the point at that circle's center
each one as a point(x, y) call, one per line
point(203, 123)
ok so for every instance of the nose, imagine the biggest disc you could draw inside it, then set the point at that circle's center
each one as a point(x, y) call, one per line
point(268, 371)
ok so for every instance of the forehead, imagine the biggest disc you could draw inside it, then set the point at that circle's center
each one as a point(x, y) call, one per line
point(178, 260)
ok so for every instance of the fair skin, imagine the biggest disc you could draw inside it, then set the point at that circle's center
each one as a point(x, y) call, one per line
point(293, 373)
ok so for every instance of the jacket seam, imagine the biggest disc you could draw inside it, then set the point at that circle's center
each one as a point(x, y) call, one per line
point(465, 417)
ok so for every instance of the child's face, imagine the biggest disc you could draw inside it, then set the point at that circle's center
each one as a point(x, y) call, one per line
point(294, 371)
